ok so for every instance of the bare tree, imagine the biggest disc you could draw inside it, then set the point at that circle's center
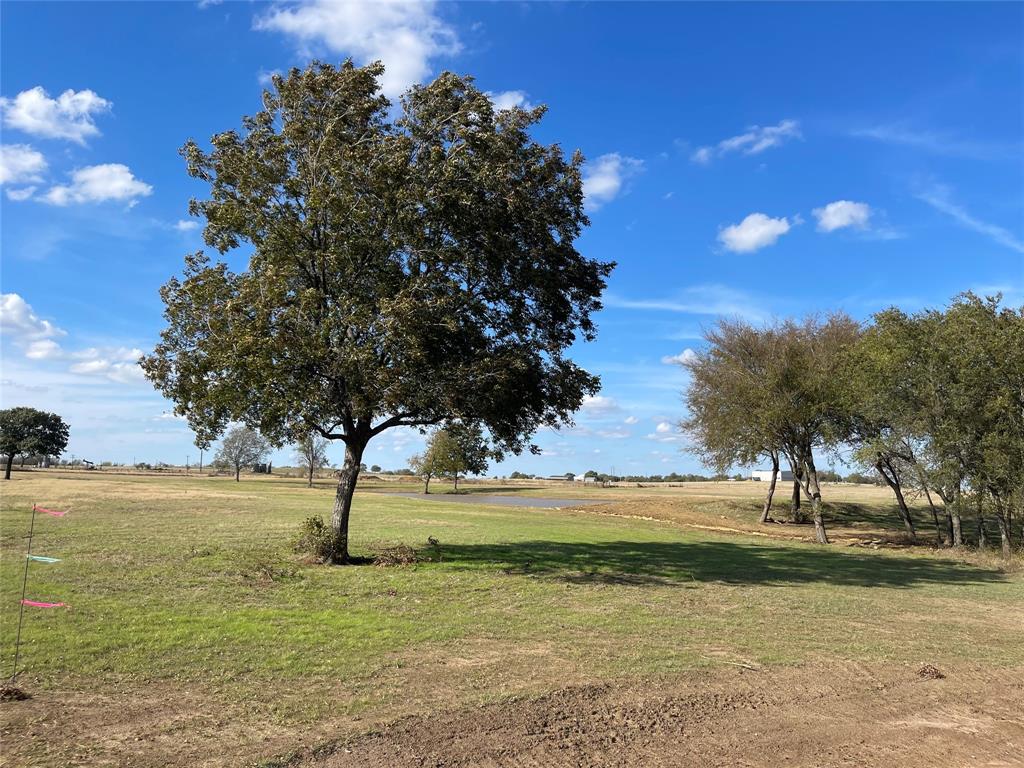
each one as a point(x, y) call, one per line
point(311, 453)
point(242, 447)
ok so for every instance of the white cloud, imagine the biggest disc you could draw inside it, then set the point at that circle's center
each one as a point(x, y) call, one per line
point(702, 299)
point(604, 178)
point(98, 183)
point(406, 36)
point(631, 420)
point(125, 354)
point(20, 164)
point(120, 365)
point(266, 77)
point(664, 435)
point(19, 321)
point(44, 349)
point(755, 141)
point(702, 156)
point(18, 195)
point(842, 213)
point(901, 134)
point(69, 116)
point(754, 232)
point(599, 404)
point(684, 357)
point(938, 197)
point(184, 225)
point(509, 99)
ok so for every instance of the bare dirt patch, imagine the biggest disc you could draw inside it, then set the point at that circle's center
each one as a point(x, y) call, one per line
point(841, 715)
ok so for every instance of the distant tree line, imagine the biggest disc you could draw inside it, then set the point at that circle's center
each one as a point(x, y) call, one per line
point(931, 403)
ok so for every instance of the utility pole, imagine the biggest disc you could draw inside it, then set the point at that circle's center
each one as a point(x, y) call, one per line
point(186, 463)
point(200, 461)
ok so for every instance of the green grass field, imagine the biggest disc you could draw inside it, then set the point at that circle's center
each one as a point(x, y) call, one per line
point(189, 584)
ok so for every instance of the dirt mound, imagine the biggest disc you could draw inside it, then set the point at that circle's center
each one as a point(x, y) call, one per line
point(930, 672)
point(848, 715)
point(12, 693)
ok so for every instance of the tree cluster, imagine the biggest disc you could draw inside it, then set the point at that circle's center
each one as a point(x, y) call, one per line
point(458, 449)
point(935, 406)
point(770, 393)
point(932, 403)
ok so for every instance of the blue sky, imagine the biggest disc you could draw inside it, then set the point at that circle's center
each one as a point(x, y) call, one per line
point(754, 160)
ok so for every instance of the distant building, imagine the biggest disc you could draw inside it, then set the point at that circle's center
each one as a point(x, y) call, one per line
point(585, 479)
point(766, 475)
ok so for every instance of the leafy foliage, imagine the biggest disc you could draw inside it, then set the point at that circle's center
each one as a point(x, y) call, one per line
point(30, 431)
point(411, 272)
point(315, 539)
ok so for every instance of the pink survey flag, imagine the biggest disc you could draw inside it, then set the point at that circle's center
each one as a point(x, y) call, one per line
point(37, 604)
point(54, 512)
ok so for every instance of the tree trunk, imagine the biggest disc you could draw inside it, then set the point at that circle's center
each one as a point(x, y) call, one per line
point(893, 481)
point(982, 541)
point(1004, 535)
point(311, 474)
point(935, 518)
point(23, 457)
point(343, 499)
point(814, 491)
point(456, 482)
point(426, 484)
point(1005, 521)
point(238, 471)
point(7, 469)
point(771, 489)
point(954, 517)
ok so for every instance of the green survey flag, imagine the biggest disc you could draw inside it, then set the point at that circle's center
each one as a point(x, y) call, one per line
point(41, 559)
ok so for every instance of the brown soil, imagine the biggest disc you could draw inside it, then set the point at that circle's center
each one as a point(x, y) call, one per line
point(837, 715)
point(848, 715)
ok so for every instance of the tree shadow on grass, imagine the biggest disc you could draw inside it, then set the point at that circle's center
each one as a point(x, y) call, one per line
point(687, 563)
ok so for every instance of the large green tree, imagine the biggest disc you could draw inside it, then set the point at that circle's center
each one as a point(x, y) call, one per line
point(755, 391)
point(29, 431)
point(403, 272)
point(730, 420)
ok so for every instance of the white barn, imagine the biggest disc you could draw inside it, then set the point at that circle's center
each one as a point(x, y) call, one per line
point(766, 475)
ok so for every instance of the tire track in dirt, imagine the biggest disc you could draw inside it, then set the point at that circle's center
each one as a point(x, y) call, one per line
point(837, 715)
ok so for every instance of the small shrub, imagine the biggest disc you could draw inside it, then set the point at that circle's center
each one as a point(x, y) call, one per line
point(315, 539)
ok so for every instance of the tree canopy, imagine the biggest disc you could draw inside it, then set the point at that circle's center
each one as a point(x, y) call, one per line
point(931, 402)
point(764, 391)
point(457, 449)
point(242, 447)
point(30, 431)
point(403, 272)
